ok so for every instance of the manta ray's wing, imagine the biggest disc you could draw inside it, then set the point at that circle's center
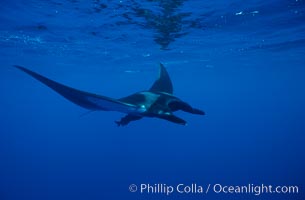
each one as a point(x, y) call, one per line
point(163, 83)
point(84, 99)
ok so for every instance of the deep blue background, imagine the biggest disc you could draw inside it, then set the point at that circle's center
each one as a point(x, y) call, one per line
point(242, 62)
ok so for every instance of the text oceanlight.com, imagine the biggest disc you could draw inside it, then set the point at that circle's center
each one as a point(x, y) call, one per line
point(194, 188)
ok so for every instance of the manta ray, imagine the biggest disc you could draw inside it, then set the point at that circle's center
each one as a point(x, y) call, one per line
point(158, 101)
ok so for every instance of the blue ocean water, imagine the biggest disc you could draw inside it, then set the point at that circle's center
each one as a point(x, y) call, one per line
point(242, 62)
